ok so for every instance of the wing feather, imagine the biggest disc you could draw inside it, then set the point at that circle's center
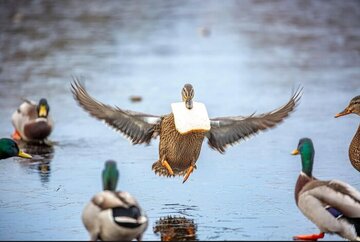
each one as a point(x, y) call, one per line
point(133, 125)
point(230, 130)
point(336, 194)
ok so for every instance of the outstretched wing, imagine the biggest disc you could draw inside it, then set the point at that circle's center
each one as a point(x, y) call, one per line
point(138, 127)
point(230, 130)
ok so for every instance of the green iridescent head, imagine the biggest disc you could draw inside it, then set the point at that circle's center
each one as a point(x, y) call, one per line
point(9, 148)
point(306, 150)
point(110, 176)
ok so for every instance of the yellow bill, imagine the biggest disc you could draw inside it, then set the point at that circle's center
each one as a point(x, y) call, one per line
point(24, 155)
point(295, 152)
point(42, 111)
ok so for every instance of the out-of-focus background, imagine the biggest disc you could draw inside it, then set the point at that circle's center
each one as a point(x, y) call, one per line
point(241, 56)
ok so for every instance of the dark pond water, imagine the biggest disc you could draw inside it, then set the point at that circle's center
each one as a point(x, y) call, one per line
point(240, 56)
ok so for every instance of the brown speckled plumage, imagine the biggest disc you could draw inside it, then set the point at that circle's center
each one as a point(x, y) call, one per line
point(181, 151)
point(354, 148)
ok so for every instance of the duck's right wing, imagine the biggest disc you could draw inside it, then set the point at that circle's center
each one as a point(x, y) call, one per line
point(138, 127)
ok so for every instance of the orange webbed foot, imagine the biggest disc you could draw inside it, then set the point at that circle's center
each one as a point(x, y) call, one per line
point(165, 164)
point(314, 237)
point(189, 171)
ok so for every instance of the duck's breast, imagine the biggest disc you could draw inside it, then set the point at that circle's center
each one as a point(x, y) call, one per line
point(37, 129)
point(180, 150)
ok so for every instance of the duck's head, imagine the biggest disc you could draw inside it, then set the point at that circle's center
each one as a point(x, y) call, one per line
point(306, 150)
point(43, 108)
point(187, 94)
point(110, 176)
point(353, 107)
point(9, 148)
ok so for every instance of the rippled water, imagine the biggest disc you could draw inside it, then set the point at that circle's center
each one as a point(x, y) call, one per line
point(240, 56)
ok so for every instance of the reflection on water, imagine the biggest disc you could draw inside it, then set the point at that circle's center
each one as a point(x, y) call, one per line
point(42, 154)
point(177, 208)
point(176, 229)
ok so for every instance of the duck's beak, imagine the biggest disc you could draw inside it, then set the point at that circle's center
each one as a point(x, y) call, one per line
point(42, 111)
point(24, 155)
point(295, 152)
point(189, 104)
point(346, 111)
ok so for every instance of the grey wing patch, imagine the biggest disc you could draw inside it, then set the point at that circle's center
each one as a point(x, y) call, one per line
point(336, 194)
point(230, 130)
point(345, 189)
point(138, 127)
point(127, 199)
point(28, 107)
point(314, 210)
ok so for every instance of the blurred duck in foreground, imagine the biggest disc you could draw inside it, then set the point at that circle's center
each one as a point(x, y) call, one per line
point(114, 215)
point(32, 121)
point(333, 206)
point(354, 149)
point(183, 130)
point(9, 148)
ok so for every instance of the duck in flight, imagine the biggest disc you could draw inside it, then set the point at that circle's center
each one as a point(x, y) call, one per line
point(184, 129)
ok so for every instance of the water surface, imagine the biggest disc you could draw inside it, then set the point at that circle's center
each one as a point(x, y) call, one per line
point(240, 56)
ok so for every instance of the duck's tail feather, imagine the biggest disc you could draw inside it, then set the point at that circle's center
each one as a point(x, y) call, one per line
point(356, 223)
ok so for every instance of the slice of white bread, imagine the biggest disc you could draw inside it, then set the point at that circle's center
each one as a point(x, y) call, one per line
point(190, 120)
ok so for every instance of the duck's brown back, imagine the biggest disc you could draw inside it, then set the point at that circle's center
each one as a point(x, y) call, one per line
point(354, 150)
point(177, 149)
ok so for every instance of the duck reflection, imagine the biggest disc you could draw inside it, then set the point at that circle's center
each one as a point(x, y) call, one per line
point(176, 229)
point(42, 155)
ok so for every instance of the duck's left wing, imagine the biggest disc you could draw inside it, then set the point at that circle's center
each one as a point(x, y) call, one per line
point(230, 130)
point(138, 127)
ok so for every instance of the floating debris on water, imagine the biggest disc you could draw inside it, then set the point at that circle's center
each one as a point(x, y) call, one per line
point(135, 98)
point(204, 31)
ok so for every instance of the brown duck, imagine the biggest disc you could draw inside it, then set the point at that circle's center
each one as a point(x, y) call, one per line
point(178, 152)
point(354, 149)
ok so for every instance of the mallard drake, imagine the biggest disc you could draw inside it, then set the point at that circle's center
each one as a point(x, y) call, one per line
point(32, 121)
point(9, 148)
point(333, 206)
point(178, 152)
point(114, 215)
point(354, 148)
